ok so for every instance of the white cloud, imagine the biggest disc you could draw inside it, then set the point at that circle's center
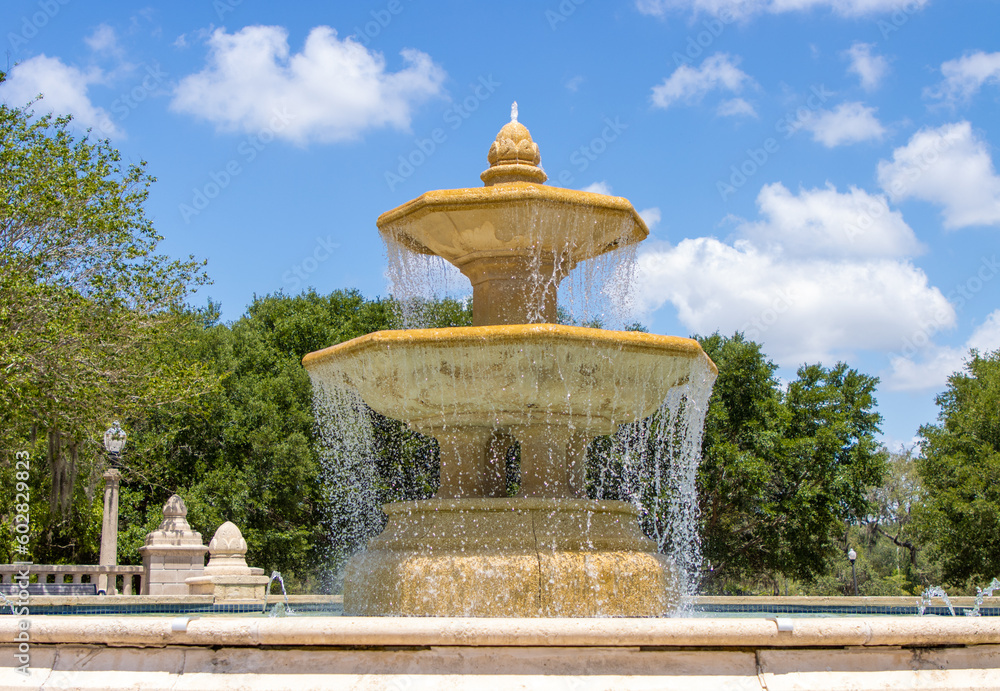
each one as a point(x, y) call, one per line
point(333, 90)
point(823, 222)
point(949, 166)
point(931, 369)
point(651, 216)
point(744, 8)
point(600, 187)
point(574, 83)
point(736, 107)
point(848, 123)
point(870, 68)
point(64, 90)
point(690, 84)
point(798, 279)
point(964, 76)
point(104, 40)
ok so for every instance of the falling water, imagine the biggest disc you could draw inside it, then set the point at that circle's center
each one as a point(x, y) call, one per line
point(932, 592)
point(7, 602)
point(281, 609)
point(596, 292)
point(656, 469)
point(981, 595)
point(416, 281)
point(347, 474)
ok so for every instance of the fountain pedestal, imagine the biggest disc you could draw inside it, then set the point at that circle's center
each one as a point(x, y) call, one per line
point(513, 557)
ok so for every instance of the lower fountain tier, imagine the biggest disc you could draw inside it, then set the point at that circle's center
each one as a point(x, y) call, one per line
point(504, 376)
point(477, 390)
point(514, 557)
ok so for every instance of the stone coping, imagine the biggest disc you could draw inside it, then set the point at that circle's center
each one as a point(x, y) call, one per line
point(478, 632)
point(481, 336)
point(838, 600)
point(146, 600)
point(729, 600)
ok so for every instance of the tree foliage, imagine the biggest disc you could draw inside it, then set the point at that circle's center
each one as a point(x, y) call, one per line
point(960, 468)
point(782, 470)
point(92, 320)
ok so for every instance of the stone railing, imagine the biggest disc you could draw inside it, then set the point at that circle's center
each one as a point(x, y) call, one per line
point(119, 580)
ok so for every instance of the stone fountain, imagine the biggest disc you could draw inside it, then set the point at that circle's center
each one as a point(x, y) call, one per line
point(514, 376)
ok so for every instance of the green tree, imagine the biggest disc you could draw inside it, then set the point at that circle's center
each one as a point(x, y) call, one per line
point(782, 470)
point(87, 309)
point(960, 468)
point(250, 453)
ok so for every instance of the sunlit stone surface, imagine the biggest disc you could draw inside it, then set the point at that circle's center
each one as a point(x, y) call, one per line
point(511, 558)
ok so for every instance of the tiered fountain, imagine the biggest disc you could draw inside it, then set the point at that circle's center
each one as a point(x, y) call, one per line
point(514, 375)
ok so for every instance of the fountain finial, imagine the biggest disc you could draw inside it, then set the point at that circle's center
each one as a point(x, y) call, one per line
point(514, 157)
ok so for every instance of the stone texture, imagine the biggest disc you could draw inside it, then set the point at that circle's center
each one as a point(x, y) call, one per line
point(109, 530)
point(96, 652)
point(172, 553)
point(227, 576)
point(510, 558)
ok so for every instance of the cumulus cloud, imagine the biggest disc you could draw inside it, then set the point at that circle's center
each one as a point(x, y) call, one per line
point(744, 8)
point(651, 216)
point(825, 222)
point(870, 68)
point(600, 187)
point(965, 76)
point(949, 166)
point(799, 279)
point(688, 84)
point(333, 90)
point(848, 123)
point(104, 40)
point(736, 107)
point(929, 369)
point(64, 89)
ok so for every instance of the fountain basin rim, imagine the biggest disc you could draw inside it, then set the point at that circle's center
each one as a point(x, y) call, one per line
point(461, 336)
point(155, 631)
point(510, 504)
point(507, 193)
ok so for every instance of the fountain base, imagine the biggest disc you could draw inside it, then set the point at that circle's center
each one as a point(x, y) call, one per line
point(511, 557)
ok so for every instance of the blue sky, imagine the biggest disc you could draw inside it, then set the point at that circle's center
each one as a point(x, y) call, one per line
point(820, 174)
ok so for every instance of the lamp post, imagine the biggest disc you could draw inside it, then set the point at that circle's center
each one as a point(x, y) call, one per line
point(851, 556)
point(114, 442)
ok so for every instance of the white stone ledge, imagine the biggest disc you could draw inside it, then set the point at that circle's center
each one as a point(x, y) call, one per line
point(390, 631)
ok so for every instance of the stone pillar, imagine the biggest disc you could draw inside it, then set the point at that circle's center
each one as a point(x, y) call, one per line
point(172, 554)
point(109, 531)
point(544, 463)
point(227, 575)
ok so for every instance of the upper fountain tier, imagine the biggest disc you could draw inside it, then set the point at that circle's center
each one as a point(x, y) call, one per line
point(515, 239)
